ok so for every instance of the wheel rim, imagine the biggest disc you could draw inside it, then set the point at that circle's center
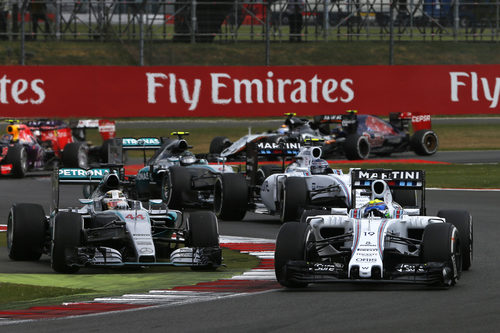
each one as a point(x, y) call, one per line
point(430, 142)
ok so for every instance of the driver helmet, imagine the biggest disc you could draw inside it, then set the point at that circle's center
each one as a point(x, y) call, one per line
point(114, 199)
point(187, 158)
point(376, 208)
point(319, 166)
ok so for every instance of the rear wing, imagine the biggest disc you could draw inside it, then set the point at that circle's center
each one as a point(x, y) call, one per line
point(402, 120)
point(401, 182)
point(77, 176)
point(349, 121)
point(107, 128)
point(118, 145)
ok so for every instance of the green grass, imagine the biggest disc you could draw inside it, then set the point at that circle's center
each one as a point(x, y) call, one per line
point(364, 52)
point(15, 289)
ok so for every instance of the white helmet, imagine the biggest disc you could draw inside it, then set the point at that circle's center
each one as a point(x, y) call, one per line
point(114, 199)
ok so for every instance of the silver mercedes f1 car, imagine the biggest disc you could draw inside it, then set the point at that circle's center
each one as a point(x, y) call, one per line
point(110, 230)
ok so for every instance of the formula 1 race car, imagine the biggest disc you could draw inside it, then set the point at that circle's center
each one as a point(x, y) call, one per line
point(350, 135)
point(306, 183)
point(174, 173)
point(41, 144)
point(377, 241)
point(111, 230)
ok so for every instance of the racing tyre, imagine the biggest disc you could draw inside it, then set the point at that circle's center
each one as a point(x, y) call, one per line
point(25, 232)
point(290, 245)
point(441, 243)
point(424, 142)
point(462, 220)
point(356, 147)
point(175, 185)
point(75, 155)
point(231, 196)
point(218, 144)
point(18, 157)
point(293, 199)
point(104, 151)
point(203, 233)
point(66, 238)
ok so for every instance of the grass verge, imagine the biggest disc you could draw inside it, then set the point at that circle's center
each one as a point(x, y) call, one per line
point(19, 291)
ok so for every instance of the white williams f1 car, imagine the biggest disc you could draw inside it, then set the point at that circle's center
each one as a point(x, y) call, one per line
point(110, 230)
point(377, 242)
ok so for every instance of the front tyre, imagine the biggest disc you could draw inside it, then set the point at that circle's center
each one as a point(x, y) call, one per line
point(441, 243)
point(18, 157)
point(203, 232)
point(290, 245)
point(66, 238)
point(294, 199)
point(25, 232)
point(176, 183)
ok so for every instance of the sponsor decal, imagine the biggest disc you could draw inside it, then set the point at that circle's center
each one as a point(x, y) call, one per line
point(366, 259)
point(274, 145)
point(145, 250)
point(389, 175)
point(67, 173)
point(134, 217)
point(476, 88)
point(128, 142)
point(6, 169)
point(21, 91)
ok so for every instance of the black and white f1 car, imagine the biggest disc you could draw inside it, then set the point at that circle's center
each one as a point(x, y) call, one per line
point(377, 241)
point(110, 230)
point(306, 183)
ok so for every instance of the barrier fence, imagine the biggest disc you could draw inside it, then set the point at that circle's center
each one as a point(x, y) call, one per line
point(250, 20)
point(243, 91)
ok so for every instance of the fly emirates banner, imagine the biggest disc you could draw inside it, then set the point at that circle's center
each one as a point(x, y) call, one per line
point(195, 91)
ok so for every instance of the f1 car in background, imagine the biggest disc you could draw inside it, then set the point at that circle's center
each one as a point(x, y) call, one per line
point(350, 135)
point(41, 144)
point(306, 183)
point(378, 240)
point(174, 173)
point(111, 230)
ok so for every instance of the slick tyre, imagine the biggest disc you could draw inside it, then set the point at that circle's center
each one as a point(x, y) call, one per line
point(176, 183)
point(462, 220)
point(75, 155)
point(406, 198)
point(294, 199)
point(218, 144)
point(424, 142)
point(441, 243)
point(265, 171)
point(18, 157)
point(203, 232)
point(290, 245)
point(25, 232)
point(230, 196)
point(356, 147)
point(66, 238)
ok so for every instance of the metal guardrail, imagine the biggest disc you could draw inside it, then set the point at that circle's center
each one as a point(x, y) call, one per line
point(237, 20)
point(196, 21)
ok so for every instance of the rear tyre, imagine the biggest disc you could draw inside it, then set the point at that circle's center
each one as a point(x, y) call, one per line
point(424, 142)
point(218, 144)
point(18, 157)
point(440, 243)
point(462, 220)
point(25, 232)
point(75, 155)
point(203, 233)
point(175, 185)
point(231, 196)
point(356, 147)
point(294, 199)
point(67, 237)
point(290, 245)
point(265, 171)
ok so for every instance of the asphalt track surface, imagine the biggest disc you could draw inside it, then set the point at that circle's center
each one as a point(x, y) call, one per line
point(472, 305)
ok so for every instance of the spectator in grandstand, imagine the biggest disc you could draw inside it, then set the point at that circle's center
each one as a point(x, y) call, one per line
point(4, 10)
point(38, 11)
point(294, 11)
